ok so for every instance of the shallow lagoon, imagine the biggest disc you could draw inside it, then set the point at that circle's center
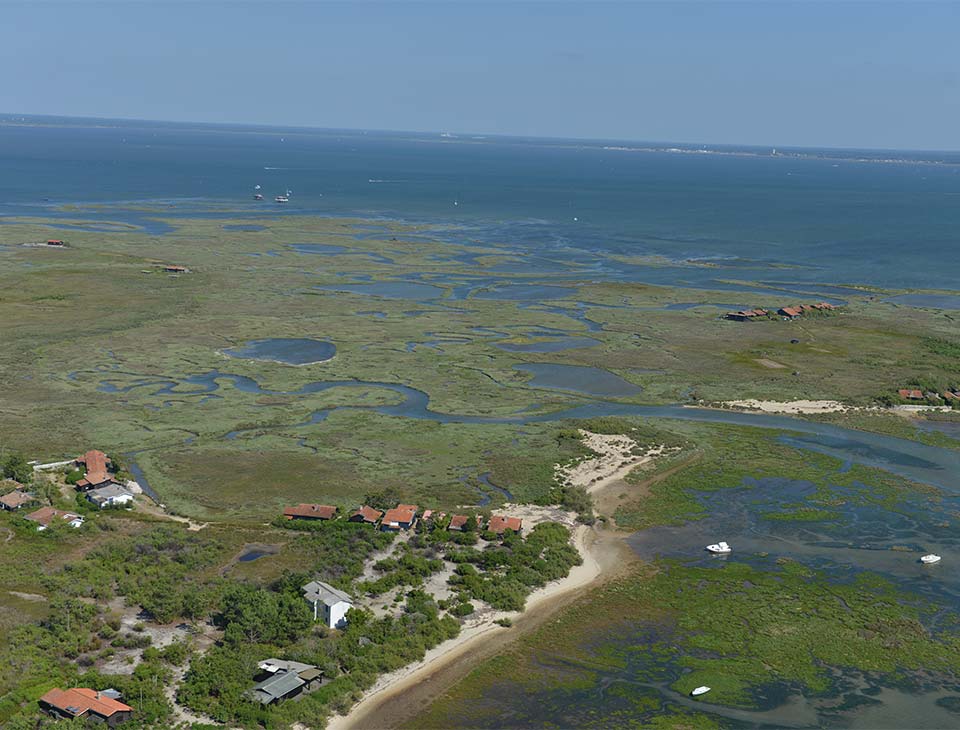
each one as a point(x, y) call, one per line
point(579, 379)
point(286, 350)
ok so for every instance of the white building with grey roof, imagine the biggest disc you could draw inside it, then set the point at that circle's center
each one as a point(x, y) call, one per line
point(329, 604)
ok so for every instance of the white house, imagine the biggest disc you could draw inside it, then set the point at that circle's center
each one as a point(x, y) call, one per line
point(110, 495)
point(329, 604)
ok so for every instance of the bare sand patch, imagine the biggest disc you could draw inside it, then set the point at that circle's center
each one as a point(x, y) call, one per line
point(616, 457)
point(793, 406)
point(770, 363)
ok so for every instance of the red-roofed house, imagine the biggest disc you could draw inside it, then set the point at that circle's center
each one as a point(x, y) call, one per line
point(46, 515)
point(366, 514)
point(95, 463)
point(400, 517)
point(747, 314)
point(458, 522)
point(87, 704)
point(16, 499)
point(790, 312)
point(310, 512)
point(500, 524)
point(910, 394)
point(951, 395)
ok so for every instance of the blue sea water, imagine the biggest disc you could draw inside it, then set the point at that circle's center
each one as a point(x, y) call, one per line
point(816, 217)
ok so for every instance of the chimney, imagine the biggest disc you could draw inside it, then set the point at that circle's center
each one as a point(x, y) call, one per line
point(98, 694)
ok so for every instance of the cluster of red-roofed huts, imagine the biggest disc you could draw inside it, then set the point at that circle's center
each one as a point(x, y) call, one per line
point(952, 395)
point(405, 517)
point(786, 312)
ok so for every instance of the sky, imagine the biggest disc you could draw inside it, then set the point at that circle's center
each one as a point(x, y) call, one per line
point(835, 74)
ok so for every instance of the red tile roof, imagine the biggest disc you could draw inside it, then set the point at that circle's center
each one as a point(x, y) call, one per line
point(79, 700)
point(402, 513)
point(791, 311)
point(311, 511)
point(951, 395)
point(912, 394)
point(499, 524)
point(16, 499)
point(95, 462)
point(45, 515)
point(369, 514)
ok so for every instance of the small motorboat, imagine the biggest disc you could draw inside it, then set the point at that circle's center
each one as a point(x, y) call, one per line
point(701, 690)
point(281, 199)
point(258, 196)
point(720, 548)
point(930, 559)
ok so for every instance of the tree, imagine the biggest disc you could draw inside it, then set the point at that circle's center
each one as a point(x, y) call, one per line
point(15, 467)
point(384, 499)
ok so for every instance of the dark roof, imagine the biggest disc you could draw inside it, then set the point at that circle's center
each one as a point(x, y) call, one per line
point(277, 686)
point(325, 593)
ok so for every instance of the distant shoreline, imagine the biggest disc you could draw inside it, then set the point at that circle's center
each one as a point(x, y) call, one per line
point(787, 151)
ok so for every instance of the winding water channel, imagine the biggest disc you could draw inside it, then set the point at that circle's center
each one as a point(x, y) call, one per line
point(921, 462)
point(863, 537)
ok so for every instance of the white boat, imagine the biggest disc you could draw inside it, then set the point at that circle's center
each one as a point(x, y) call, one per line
point(701, 690)
point(281, 199)
point(720, 548)
point(258, 196)
point(930, 559)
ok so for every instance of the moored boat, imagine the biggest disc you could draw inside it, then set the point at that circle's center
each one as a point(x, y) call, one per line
point(701, 690)
point(720, 548)
point(930, 559)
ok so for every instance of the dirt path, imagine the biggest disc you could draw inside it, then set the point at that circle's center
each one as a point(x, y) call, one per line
point(148, 507)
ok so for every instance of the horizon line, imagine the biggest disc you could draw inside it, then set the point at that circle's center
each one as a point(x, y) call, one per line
point(463, 136)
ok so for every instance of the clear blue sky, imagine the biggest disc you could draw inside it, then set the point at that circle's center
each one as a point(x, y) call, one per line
point(861, 74)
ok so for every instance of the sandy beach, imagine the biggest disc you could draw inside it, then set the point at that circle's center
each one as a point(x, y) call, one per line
point(793, 406)
point(477, 640)
point(401, 694)
point(615, 459)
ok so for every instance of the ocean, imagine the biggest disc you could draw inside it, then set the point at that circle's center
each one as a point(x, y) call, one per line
point(800, 216)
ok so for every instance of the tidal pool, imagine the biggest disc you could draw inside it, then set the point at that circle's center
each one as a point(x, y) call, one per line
point(286, 350)
point(579, 379)
point(329, 249)
point(248, 227)
point(526, 292)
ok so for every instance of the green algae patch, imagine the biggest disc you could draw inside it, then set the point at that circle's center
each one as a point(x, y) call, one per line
point(734, 628)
